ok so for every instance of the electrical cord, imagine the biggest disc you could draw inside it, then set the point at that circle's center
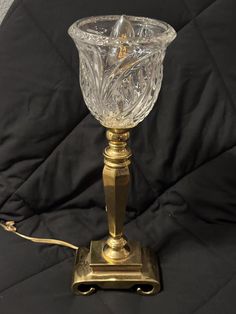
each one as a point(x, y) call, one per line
point(11, 227)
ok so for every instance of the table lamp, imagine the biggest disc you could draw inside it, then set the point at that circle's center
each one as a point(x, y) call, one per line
point(121, 68)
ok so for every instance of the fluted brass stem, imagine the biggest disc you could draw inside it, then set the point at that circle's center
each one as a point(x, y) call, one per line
point(116, 185)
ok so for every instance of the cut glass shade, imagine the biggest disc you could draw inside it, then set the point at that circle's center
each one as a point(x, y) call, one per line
point(121, 65)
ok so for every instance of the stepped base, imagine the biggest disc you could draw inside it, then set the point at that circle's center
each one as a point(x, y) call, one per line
point(139, 272)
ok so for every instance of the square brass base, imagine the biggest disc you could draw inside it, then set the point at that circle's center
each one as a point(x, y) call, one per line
point(138, 272)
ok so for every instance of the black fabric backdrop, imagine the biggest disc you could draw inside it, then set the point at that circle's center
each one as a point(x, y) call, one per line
point(182, 199)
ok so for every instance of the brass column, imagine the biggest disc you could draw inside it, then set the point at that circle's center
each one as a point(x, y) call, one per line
point(116, 186)
point(115, 263)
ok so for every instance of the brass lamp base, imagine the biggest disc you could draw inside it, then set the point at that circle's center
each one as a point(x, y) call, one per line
point(139, 271)
point(116, 263)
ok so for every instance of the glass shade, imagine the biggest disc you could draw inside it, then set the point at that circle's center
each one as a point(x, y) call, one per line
point(121, 66)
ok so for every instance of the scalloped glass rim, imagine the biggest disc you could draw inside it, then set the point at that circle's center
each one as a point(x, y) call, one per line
point(163, 38)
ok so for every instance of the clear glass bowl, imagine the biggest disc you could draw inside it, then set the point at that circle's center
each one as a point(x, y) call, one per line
point(121, 65)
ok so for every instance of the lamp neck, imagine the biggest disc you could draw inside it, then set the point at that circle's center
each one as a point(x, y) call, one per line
point(116, 185)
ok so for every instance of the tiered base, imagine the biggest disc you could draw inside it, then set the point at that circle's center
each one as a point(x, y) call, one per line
point(139, 272)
